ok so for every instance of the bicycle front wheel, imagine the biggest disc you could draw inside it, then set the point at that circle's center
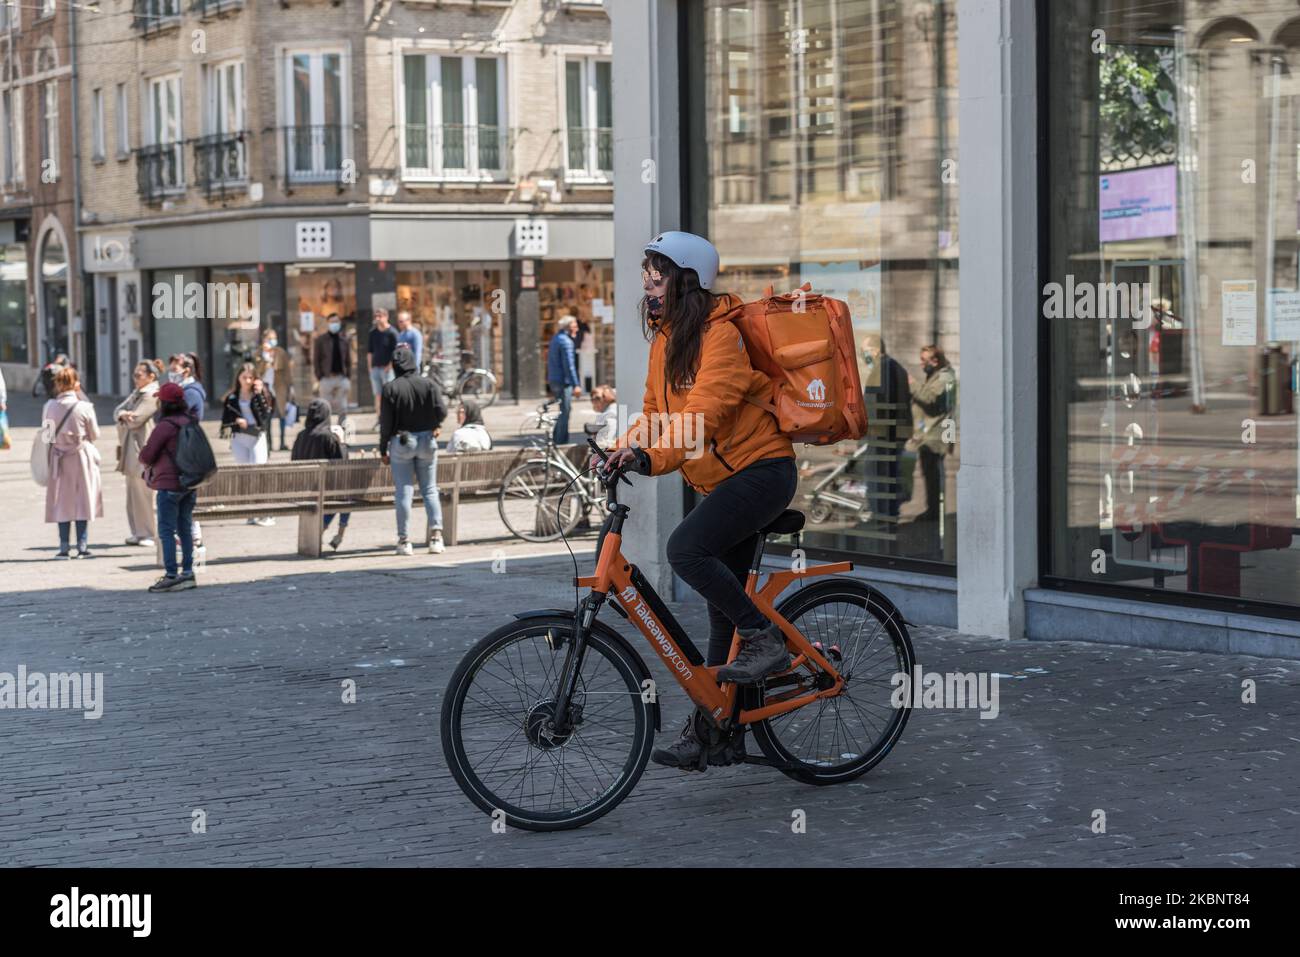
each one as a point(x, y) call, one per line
point(497, 741)
point(539, 501)
point(837, 739)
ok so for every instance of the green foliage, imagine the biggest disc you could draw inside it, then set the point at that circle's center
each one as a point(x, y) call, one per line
point(1138, 106)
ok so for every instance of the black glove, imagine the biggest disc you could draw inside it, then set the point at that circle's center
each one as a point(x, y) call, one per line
point(642, 463)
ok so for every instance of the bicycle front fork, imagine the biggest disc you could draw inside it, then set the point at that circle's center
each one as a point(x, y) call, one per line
point(565, 719)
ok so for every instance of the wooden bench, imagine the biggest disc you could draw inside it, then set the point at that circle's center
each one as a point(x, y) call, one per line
point(313, 489)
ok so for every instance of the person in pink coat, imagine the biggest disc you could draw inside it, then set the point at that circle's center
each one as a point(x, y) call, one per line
point(74, 492)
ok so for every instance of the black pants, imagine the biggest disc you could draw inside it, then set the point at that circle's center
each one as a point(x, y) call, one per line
point(711, 549)
point(932, 471)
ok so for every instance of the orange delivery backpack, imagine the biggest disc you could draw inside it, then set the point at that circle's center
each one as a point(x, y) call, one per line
point(804, 343)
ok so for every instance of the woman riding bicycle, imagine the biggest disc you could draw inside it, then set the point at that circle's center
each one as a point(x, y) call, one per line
point(700, 417)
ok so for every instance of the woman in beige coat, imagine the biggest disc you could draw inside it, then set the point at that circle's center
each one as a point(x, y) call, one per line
point(134, 419)
point(74, 492)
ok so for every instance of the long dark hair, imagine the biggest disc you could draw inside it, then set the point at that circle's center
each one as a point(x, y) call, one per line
point(686, 310)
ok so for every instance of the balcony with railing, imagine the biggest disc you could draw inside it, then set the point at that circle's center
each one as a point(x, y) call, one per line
point(221, 164)
point(589, 154)
point(458, 153)
point(160, 171)
point(207, 9)
point(154, 16)
point(314, 154)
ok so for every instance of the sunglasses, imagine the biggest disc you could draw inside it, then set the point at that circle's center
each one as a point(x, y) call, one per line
point(653, 276)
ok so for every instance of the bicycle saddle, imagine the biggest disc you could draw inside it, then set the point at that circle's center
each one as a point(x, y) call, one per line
point(787, 523)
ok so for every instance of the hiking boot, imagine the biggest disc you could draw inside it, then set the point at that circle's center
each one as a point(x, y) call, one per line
point(689, 753)
point(436, 546)
point(184, 581)
point(404, 547)
point(762, 652)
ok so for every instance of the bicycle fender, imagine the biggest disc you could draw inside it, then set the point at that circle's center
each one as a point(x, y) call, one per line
point(610, 635)
point(828, 584)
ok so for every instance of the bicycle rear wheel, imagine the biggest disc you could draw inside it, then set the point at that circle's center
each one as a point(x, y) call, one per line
point(495, 735)
point(838, 739)
point(481, 385)
point(537, 502)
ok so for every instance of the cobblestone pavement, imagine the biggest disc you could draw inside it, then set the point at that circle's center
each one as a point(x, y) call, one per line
point(227, 699)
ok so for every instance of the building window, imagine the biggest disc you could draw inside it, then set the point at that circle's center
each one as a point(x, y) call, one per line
point(808, 110)
point(47, 9)
point(123, 118)
point(1170, 300)
point(11, 102)
point(454, 117)
point(221, 154)
point(315, 133)
point(97, 125)
point(7, 18)
point(162, 166)
point(589, 119)
point(49, 94)
point(13, 303)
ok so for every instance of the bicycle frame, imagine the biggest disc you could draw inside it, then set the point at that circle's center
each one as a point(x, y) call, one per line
point(638, 602)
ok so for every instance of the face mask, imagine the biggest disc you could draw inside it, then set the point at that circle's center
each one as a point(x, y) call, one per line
point(335, 327)
point(177, 377)
point(271, 344)
point(655, 304)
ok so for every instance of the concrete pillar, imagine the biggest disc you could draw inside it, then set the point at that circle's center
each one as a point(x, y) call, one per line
point(647, 182)
point(997, 488)
point(529, 376)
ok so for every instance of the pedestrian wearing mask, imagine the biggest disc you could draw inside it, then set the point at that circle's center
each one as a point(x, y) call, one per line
point(935, 402)
point(332, 364)
point(410, 413)
point(273, 368)
point(135, 423)
point(185, 371)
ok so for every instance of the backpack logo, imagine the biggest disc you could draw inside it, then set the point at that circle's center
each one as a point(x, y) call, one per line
point(817, 390)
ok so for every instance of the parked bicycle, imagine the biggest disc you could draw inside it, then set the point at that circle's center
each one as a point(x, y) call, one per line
point(472, 381)
point(550, 719)
point(546, 497)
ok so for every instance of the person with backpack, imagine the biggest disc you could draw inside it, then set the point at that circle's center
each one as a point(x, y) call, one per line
point(74, 488)
point(174, 502)
point(410, 411)
point(700, 379)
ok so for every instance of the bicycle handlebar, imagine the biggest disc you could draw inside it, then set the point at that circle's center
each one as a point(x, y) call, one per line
point(609, 478)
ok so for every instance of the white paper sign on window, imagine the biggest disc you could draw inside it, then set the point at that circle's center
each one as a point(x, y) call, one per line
point(1240, 312)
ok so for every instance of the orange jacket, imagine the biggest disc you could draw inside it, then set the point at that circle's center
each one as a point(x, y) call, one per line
point(708, 430)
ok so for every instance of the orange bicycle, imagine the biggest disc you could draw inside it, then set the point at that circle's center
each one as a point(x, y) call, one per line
point(550, 720)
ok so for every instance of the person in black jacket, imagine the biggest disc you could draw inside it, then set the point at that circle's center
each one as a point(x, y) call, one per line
point(318, 440)
point(887, 398)
point(410, 411)
point(246, 413)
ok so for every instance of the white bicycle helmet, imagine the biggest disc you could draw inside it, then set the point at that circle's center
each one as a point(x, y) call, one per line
point(688, 251)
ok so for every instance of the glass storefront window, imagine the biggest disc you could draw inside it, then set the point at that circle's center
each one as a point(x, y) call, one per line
point(827, 154)
point(13, 303)
point(1172, 296)
point(173, 333)
point(236, 332)
point(461, 308)
point(312, 295)
point(583, 289)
